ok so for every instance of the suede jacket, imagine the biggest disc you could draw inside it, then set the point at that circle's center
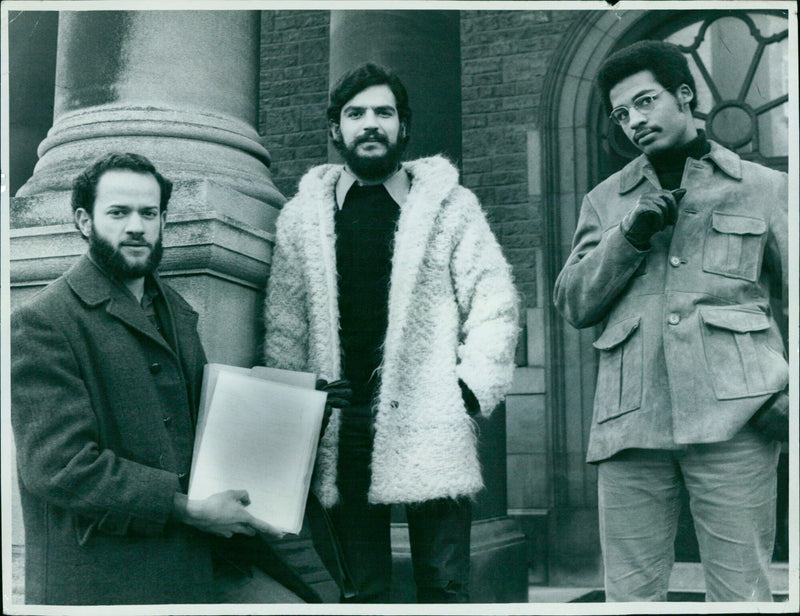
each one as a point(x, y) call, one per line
point(689, 348)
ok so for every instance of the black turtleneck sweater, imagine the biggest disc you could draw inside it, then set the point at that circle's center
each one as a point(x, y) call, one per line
point(669, 165)
point(364, 232)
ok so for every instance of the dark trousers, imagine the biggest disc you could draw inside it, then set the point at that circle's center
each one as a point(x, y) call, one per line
point(439, 530)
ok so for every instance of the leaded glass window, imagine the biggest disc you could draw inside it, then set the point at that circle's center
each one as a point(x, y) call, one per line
point(739, 60)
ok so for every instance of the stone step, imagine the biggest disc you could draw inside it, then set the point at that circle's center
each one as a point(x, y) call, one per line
point(686, 584)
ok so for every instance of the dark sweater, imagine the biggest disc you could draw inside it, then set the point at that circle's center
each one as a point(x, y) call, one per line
point(669, 165)
point(365, 227)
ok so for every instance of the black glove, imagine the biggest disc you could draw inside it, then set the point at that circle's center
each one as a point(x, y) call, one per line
point(772, 419)
point(653, 211)
point(339, 395)
point(470, 401)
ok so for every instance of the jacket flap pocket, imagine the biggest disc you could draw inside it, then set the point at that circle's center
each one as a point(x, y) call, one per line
point(736, 224)
point(616, 334)
point(740, 321)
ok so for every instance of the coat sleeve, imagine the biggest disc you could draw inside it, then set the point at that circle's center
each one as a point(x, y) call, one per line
point(489, 310)
point(57, 439)
point(286, 310)
point(599, 267)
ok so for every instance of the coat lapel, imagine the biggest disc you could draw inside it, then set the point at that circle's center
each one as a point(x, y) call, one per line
point(93, 287)
point(634, 172)
point(321, 256)
point(432, 180)
point(640, 168)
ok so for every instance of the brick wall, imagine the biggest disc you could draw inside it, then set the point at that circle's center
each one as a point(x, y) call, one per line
point(294, 92)
point(505, 56)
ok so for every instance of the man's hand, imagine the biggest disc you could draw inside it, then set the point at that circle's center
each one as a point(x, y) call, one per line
point(772, 419)
point(223, 514)
point(653, 211)
point(340, 393)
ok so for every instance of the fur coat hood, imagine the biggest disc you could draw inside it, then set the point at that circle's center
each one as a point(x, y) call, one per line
point(453, 314)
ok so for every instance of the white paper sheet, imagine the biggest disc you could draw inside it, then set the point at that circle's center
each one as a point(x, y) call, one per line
point(261, 436)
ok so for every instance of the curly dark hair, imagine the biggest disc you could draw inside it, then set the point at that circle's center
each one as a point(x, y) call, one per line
point(664, 60)
point(363, 77)
point(84, 187)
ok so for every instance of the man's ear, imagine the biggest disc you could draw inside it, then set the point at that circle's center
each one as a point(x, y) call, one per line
point(336, 132)
point(684, 95)
point(83, 220)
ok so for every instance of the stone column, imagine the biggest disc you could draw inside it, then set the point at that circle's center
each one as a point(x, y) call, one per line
point(424, 49)
point(180, 87)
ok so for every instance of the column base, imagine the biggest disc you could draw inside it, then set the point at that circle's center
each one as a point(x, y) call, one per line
point(574, 548)
point(218, 248)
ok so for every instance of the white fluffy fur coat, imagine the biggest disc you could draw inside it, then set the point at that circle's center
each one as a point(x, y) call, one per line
point(453, 313)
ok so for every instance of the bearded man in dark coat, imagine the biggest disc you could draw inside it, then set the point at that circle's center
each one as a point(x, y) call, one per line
point(106, 367)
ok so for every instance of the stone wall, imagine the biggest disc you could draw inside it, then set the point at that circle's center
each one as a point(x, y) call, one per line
point(505, 57)
point(294, 92)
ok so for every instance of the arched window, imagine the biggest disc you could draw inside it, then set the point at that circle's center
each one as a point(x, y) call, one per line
point(739, 61)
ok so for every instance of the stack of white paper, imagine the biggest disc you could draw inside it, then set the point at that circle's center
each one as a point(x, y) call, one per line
point(258, 430)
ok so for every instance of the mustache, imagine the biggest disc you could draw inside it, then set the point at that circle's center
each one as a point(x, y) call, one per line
point(136, 241)
point(642, 133)
point(371, 136)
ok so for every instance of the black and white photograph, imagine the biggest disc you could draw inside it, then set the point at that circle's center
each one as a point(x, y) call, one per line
point(431, 307)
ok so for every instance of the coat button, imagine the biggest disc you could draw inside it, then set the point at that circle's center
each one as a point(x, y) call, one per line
point(394, 404)
point(674, 261)
point(674, 319)
point(155, 368)
point(167, 420)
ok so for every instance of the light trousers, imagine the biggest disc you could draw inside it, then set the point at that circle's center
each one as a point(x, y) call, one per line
point(732, 489)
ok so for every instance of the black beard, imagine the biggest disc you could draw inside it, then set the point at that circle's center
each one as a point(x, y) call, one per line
point(113, 261)
point(371, 168)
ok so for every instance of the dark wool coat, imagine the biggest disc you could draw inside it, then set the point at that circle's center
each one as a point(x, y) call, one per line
point(690, 348)
point(103, 413)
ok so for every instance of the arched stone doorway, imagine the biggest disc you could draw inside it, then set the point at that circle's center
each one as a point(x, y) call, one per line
point(580, 151)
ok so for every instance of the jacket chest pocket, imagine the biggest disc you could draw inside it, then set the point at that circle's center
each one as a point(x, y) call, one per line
point(738, 356)
point(733, 246)
point(619, 377)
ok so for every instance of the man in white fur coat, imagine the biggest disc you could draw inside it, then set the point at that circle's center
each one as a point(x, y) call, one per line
point(387, 276)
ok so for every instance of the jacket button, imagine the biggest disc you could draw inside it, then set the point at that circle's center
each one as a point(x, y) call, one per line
point(674, 319)
point(674, 261)
point(155, 368)
point(394, 404)
point(167, 420)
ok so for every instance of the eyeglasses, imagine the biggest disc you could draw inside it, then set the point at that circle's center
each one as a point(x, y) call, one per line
point(642, 104)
